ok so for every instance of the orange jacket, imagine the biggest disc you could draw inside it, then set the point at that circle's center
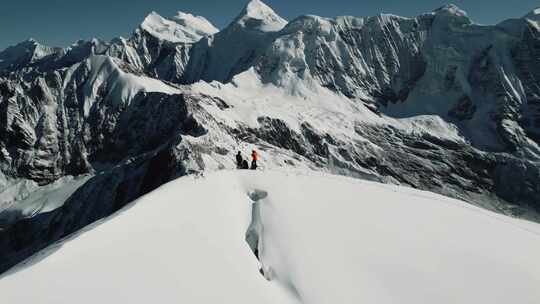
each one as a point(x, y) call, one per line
point(254, 156)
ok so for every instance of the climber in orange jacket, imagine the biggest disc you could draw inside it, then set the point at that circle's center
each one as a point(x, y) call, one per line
point(254, 158)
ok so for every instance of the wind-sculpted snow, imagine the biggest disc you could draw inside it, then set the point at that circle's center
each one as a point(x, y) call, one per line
point(182, 28)
point(435, 102)
point(318, 238)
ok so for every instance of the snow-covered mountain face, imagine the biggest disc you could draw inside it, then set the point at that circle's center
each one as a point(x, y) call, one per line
point(435, 102)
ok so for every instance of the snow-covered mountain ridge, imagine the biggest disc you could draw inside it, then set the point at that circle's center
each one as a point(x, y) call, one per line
point(349, 241)
point(184, 27)
point(434, 102)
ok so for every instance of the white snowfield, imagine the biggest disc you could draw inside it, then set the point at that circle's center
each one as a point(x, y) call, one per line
point(322, 239)
point(183, 28)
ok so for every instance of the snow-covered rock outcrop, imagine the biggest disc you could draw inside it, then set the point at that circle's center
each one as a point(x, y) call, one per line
point(161, 46)
point(23, 54)
point(234, 49)
point(183, 27)
point(533, 15)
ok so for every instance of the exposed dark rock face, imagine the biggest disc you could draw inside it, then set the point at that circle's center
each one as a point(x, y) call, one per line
point(69, 141)
point(148, 54)
point(277, 133)
point(525, 56)
point(464, 109)
point(131, 146)
point(420, 161)
point(101, 196)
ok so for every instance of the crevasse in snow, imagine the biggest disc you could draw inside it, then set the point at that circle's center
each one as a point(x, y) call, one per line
point(323, 239)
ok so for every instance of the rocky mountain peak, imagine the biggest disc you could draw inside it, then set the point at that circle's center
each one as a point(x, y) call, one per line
point(26, 46)
point(197, 24)
point(451, 9)
point(258, 16)
point(450, 15)
point(533, 15)
point(182, 28)
point(24, 53)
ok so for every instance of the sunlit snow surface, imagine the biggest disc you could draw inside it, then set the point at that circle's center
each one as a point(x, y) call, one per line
point(183, 27)
point(324, 239)
point(259, 16)
point(303, 101)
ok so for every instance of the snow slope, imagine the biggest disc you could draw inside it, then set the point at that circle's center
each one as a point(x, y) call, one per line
point(26, 198)
point(122, 86)
point(258, 16)
point(183, 28)
point(322, 239)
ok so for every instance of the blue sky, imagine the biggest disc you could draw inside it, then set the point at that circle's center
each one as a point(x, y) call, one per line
point(62, 22)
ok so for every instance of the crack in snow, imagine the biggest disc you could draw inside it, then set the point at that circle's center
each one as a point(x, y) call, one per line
point(255, 230)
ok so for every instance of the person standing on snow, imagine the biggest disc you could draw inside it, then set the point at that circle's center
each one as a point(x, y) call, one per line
point(239, 160)
point(254, 158)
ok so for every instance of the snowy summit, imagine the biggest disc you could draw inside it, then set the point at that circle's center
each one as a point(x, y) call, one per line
point(23, 53)
point(534, 15)
point(451, 9)
point(183, 28)
point(259, 16)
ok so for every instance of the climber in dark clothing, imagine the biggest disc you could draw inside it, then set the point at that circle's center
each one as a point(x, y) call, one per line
point(245, 164)
point(239, 160)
